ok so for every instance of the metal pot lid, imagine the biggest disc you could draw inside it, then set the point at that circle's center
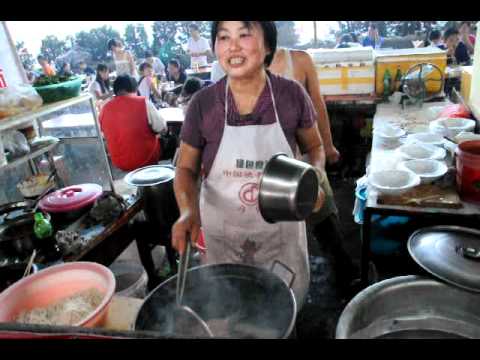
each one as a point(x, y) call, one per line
point(71, 198)
point(450, 253)
point(150, 175)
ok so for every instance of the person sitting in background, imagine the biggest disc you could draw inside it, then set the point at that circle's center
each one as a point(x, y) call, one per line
point(373, 38)
point(217, 72)
point(466, 36)
point(65, 70)
point(147, 85)
point(46, 67)
point(100, 88)
point(191, 86)
point(157, 64)
point(435, 40)
point(344, 42)
point(457, 51)
point(131, 125)
point(85, 69)
point(175, 72)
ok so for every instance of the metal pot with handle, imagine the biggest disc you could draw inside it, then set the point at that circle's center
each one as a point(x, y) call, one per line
point(235, 300)
point(288, 189)
point(155, 186)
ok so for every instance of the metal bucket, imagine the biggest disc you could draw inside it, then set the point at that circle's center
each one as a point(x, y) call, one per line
point(249, 301)
point(411, 307)
point(288, 190)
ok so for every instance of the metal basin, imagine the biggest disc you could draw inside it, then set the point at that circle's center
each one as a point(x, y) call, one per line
point(288, 190)
point(411, 307)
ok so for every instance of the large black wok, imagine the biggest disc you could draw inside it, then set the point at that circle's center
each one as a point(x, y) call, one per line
point(236, 301)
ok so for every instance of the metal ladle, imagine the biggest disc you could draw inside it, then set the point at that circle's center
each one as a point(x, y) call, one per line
point(183, 314)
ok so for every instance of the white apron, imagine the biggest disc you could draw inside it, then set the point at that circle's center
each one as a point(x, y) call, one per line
point(234, 229)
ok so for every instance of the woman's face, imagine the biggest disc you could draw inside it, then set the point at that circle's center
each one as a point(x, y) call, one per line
point(104, 74)
point(240, 50)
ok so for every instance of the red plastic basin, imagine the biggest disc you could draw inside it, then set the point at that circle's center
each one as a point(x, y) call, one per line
point(55, 283)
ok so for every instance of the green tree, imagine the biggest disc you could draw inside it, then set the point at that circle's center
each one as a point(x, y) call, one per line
point(52, 47)
point(95, 42)
point(136, 39)
point(287, 37)
point(25, 57)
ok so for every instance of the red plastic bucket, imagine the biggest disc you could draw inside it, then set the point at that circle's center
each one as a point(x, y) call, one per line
point(468, 171)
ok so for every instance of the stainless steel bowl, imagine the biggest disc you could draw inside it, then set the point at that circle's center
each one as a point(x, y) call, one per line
point(288, 189)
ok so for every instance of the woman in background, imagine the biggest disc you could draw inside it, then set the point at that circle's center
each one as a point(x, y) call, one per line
point(124, 63)
point(100, 88)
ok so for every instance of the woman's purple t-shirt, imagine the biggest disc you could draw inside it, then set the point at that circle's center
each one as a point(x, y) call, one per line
point(205, 118)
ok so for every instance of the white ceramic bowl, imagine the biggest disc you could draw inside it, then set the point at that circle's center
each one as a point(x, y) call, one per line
point(393, 182)
point(428, 170)
point(420, 151)
point(451, 127)
point(426, 138)
point(388, 136)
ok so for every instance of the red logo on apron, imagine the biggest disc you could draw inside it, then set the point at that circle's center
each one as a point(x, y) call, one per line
point(248, 194)
point(3, 83)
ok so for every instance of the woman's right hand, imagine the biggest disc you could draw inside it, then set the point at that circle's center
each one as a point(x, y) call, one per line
point(186, 228)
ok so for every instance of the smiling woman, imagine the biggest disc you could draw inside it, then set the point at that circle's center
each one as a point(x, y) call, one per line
point(230, 130)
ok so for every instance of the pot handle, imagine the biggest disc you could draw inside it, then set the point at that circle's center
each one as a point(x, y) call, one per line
point(283, 271)
point(470, 253)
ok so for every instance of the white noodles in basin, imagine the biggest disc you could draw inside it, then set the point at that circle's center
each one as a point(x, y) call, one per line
point(68, 311)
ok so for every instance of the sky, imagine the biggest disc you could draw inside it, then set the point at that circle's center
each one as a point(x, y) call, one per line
point(32, 32)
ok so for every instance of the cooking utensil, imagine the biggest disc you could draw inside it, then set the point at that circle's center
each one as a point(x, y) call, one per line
point(255, 302)
point(58, 282)
point(155, 186)
point(71, 202)
point(411, 307)
point(30, 263)
point(288, 189)
point(184, 316)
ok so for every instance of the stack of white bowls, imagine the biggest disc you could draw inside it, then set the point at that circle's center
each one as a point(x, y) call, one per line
point(388, 136)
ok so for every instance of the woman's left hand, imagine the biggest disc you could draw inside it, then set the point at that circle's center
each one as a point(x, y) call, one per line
point(320, 200)
point(332, 154)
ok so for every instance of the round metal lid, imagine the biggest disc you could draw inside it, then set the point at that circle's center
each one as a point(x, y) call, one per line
point(450, 253)
point(150, 175)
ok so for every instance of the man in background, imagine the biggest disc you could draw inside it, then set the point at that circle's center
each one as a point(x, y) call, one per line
point(85, 69)
point(47, 69)
point(466, 36)
point(157, 64)
point(131, 125)
point(197, 47)
point(373, 38)
point(457, 51)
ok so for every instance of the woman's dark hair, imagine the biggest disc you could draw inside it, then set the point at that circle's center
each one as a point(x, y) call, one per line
point(148, 54)
point(113, 42)
point(174, 62)
point(104, 84)
point(450, 32)
point(191, 86)
point(269, 36)
point(41, 57)
point(143, 66)
point(124, 83)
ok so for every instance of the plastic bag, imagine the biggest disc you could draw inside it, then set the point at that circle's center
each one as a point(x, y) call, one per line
point(18, 98)
point(455, 111)
point(15, 143)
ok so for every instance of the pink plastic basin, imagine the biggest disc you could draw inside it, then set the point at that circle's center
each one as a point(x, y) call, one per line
point(55, 283)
